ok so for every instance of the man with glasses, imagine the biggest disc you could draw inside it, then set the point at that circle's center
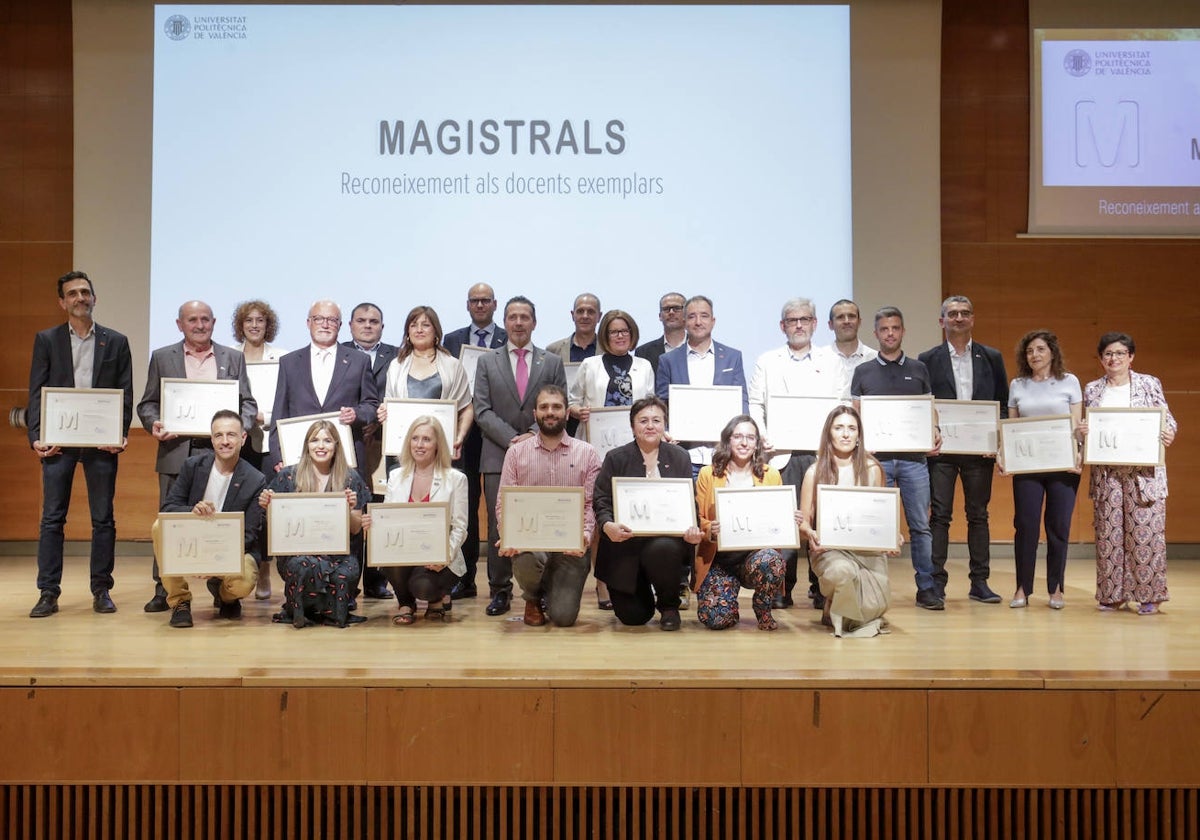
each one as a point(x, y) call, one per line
point(796, 369)
point(962, 369)
point(670, 313)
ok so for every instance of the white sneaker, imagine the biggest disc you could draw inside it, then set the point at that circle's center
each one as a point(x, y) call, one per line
point(685, 597)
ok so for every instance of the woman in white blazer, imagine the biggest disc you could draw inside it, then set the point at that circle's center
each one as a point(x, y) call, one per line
point(425, 475)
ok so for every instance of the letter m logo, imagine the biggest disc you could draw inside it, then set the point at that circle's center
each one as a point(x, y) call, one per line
point(1107, 136)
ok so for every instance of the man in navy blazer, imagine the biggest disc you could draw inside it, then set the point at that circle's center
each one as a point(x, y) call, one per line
point(196, 357)
point(482, 332)
point(962, 369)
point(77, 354)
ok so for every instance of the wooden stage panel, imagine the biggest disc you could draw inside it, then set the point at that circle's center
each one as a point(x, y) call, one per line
point(1156, 738)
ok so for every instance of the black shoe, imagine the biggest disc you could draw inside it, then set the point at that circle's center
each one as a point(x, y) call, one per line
point(214, 587)
point(818, 601)
point(462, 589)
point(232, 610)
point(787, 599)
point(669, 620)
point(940, 589)
point(378, 591)
point(101, 603)
point(181, 616)
point(499, 604)
point(156, 604)
point(46, 606)
point(982, 593)
point(777, 603)
point(927, 599)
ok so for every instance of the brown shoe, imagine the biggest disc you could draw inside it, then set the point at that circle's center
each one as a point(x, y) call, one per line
point(534, 616)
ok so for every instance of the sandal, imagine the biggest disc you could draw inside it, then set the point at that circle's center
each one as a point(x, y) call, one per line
point(437, 614)
point(1119, 605)
point(1148, 609)
point(403, 619)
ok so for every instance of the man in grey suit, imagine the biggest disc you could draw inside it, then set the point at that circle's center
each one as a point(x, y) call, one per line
point(507, 382)
point(196, 357)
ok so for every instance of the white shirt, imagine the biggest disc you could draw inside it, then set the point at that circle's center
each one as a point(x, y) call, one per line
point(702, 367)
point(323, 359)
point(218, 488)
point(372, 353)
point(964, 371)
point(83, 355)
point(847, 364)
point(810, 373)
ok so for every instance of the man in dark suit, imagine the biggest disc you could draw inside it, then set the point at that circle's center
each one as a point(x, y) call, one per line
point(196, 357)
point(366, 331)
point(482, 332)
point(217, 481)
point(961, 369)
point(670, 313)
point(77, 354)
point(507, 382)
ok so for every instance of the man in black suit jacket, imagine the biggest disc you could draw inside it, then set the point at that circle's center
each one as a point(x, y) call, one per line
point(217, 481)
point(961, 369)
point(77, 354)
point(671, 313)
point(482, 332)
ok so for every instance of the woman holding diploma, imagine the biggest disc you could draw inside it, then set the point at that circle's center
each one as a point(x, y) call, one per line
point(642, 573)
point(738, 461)
point(1130, 502)
point(1043, 388)
point(854, 583)
point(425, 476)
point(317, 587)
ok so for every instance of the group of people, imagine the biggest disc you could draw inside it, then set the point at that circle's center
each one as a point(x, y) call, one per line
point(518, 424)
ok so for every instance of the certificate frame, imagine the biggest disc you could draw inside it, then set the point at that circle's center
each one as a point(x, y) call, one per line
point(1117, 436)
point(840, 511)
point(469, 355)
point(201, 546)
point(652, 507)
point(1018, 459)
point(394, 431)
point(542, 518)
point(408, 534)
point(82, 417)
point(186, 406)
point(756, 517)
point(897, 423)
point(571, 372)
point(307, 523)
point(698, 413)
point(795, 421)
point(969, 427)
point(264, 379)
point(291, 433)
point(607, 428)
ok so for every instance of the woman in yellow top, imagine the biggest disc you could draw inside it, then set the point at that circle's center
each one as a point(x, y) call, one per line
point(738, 461)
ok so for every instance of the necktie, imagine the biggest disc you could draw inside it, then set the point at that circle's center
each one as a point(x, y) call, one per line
point(482, 338)
point(522, 373)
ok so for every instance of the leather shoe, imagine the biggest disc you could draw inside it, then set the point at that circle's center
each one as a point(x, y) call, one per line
point(379, 591)
point(669, 620)
point(499, 604)
point(46, 606)
point(780, 602)
point(534, 616)
point(157, 604)
point(982, 593)
point(181, 616)
point(232, 610)
point(101, 603)
point(462, 589)
point(214, 587)
point(927, 599)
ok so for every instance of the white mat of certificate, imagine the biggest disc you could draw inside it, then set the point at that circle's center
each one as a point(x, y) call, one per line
point(542, 518)
point(608, 428)
point(199, 545)
point(263, 376)
point(187, 406)
point(308, 523)
point(796, 422)
point(1037, 444)
point(469, 355)
point(571, 371)
point(897, 424)
point(402, 412)
point(654, 506)
point(858, 518)
point(409, 534)
point(756, 517)
point(969, 427)
point(700, 412)
point(293, 430)
point(82, 416)
point(1128, 437)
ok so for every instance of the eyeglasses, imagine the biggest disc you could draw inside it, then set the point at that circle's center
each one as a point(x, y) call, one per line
point(325, 319)
point(619, 333)
point(480, 301)
point(744, 438)
point(1115, 354)
point(959, 314)
point(670, 309)
point(803, 319)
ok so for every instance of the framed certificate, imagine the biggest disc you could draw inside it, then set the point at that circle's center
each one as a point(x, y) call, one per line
point(969, 427)
point(1125, 437)
point(571, 371)
point(858, 518)
point(654, 506)
point(187, 406)
point(795, 422)
point(469, 355)
point(756, 517)
point(700, 412)
point(608, 428)
point(897, 424)
point(402, 412)
point(1037, 444)
point(200, 545)
point(293, 430)
point(263, 376)
point(84, 417)
point(308, 523)
point(404, 534)
point(542, 518)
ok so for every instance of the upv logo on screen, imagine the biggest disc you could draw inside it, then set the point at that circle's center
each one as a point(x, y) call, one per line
point(1107, 135)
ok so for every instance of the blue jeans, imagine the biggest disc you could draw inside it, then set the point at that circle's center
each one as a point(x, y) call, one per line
point(912, 477)
point(58, 474)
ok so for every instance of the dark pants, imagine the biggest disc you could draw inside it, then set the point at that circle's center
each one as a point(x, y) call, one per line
point(976, 474)
point(413, 583)
point(469, 466)
point(165, 480)
point(499, 568)
point(1057, 490)
point(657, 583)
point(58, 474)
point(793, 473)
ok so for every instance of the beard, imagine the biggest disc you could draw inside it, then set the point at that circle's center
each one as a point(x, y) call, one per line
point(551, 425)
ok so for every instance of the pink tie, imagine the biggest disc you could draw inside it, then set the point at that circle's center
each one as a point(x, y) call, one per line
point(522, 373)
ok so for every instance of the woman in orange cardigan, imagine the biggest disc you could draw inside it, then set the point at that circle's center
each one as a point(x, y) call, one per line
point(738, 461)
